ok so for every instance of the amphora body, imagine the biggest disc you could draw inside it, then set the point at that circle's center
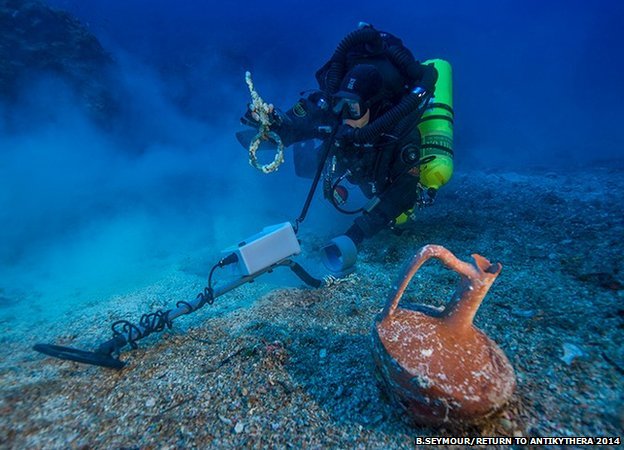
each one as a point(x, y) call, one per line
point(435, 363)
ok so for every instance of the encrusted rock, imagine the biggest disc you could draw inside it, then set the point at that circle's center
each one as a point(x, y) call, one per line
point(36, 39)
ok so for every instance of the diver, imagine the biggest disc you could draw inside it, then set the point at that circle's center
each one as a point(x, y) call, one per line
point(367, 111)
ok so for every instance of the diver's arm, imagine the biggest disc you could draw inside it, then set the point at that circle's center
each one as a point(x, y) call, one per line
point(396, 199)
point(309, 118)
point(428, 75)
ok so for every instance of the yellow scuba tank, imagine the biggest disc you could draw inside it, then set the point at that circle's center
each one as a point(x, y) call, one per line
point(436, 130)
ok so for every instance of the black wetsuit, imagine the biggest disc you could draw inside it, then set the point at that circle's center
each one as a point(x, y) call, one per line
point(376, 156)
point(378, 169)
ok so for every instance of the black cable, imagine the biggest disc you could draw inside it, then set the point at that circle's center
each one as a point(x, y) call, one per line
point(157, 321)
point(207, 295)
point(329, 143)
point(150, 323)
point(332, 199)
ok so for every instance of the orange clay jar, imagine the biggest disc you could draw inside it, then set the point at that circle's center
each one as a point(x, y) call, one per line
point(435, 363)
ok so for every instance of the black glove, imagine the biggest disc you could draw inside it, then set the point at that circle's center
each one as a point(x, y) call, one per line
point(251, 118)
point(429, 78)
point(427, 197)
point(344, 136)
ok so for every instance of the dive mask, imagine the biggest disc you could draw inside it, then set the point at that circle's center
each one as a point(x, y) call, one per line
point(350, 108)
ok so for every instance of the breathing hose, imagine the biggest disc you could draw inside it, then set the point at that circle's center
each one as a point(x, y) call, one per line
point(398, 55)
point(387, 121)
point(403, 59)
point(338, 62)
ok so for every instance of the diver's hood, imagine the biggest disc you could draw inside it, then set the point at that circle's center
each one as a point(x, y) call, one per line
point(361, 83)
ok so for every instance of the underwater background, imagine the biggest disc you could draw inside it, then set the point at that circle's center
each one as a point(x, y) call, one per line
point(120, 167)
point(535, 85)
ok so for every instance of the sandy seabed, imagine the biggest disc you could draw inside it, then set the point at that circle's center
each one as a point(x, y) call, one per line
point(290, 367)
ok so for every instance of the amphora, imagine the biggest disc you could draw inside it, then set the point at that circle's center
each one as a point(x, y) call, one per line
point(434, 362)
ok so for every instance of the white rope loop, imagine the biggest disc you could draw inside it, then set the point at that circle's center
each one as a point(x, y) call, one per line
point(262, 111)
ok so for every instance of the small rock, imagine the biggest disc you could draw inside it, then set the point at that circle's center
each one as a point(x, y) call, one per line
point(150, 402)
point(527, 313)
point(224, 419)
point(239, 427)
point(571, 352)
point(506, 424)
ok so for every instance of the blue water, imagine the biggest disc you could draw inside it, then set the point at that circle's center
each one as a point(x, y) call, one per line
point(534, 81)
point(87, 212)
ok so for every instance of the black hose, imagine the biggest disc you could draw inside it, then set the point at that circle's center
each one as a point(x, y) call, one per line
point(304, 275)
point(327, 147)
point(404, 60)
point(419, 75)
point(387, 121)
point(338, 62)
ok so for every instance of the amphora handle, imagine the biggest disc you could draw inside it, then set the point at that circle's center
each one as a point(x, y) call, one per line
point(479, 277)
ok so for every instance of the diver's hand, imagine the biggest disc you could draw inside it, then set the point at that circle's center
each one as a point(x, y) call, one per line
point(426, 196)
point(252, 118)
point(344, 136)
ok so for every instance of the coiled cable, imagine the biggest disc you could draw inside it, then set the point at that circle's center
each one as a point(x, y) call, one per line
point(157, 321)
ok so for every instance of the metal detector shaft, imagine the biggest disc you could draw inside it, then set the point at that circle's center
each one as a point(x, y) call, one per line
point(141, 332)
point(103, 356)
